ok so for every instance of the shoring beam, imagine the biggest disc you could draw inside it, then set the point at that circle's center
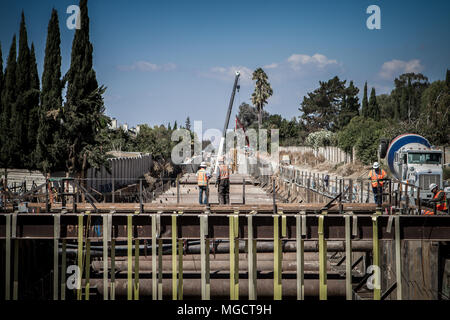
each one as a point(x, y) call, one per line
point(412, 227)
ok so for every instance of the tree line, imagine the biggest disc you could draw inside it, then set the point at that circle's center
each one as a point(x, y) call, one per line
point(333, 115)
point(38, 128)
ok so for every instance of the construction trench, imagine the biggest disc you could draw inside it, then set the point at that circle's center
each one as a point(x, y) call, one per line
point(285, 236)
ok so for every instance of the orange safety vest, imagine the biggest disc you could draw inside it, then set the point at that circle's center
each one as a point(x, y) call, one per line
point(224, 172)
point(374, 177)
point(441, 205)
point(202, 178)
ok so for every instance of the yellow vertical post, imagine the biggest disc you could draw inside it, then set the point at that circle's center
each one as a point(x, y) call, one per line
point(88, 269)
point(322, 258)
point(376, 257)
point(80, 256)
point(136, 269)
point(113, 269)
point(348, 258)
point(180, 270)
point(234, 256)
point(105, 256)
point(174, 257)
point(130, 256)
point(160, 277)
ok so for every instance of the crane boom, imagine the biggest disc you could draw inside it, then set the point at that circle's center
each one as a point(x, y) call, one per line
point(227, 120)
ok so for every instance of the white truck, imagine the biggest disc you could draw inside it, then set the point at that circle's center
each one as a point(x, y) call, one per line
point(412, 159)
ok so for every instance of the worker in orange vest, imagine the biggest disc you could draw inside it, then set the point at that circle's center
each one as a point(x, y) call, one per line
point(202, 183)
point(375, 176)
point(223, 182)
point(439, 198)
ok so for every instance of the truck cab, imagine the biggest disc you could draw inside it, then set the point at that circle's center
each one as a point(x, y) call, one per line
point(420, 167)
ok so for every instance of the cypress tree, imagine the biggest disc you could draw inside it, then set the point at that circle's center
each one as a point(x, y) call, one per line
point(33, 107)
point(365, 103)
point(188, 124)
point(373, 109)
point(9, 95)
point(447, 78)
point(20, 115)
point(47, 156)
point(1, 87)
point(1, 93)
point(84, 110)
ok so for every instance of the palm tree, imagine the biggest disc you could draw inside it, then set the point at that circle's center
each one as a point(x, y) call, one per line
point(262, 92)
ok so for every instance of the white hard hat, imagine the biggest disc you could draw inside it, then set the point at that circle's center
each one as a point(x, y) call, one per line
point(432, 186)
point(376, 165)
point(203, 165)
point(220, 159)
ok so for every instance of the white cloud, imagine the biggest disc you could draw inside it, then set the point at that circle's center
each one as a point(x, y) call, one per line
point(228, 73)
point(393, 68)
point(271, 66)
point(297, 61)
point(146, 66)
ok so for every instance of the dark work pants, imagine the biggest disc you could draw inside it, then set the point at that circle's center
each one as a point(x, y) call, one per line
point(378, 198)
point(224, 191)
point(202, 190)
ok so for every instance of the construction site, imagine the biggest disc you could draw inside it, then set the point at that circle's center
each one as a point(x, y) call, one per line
point(286, 233)
point(345, 201)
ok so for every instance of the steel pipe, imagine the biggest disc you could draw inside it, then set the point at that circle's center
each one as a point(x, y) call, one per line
point(220, 288)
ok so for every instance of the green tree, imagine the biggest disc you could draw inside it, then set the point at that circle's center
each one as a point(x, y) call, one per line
point(387, 106)
point(33, 114)
point(188, 124)
point(9, 96)
point(321, 138)
point(248, 115)
point(407, 95)
point(350, 105)
point(2, 84)
point(363, 134)
point(47, 157)
point(365, 102)
point(83, 117)
point(373, 108)
point(262, 92)
point(321, 108)
point(435, 113)
point(20, 114)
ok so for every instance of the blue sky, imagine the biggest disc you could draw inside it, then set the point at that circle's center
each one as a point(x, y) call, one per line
point(166, 60)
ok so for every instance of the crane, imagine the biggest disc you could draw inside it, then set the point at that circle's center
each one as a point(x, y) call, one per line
point(227, 120)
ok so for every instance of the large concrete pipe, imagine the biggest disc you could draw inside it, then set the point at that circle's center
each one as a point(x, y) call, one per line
point(224, 247)
point(215, 266)
point(220, 288)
